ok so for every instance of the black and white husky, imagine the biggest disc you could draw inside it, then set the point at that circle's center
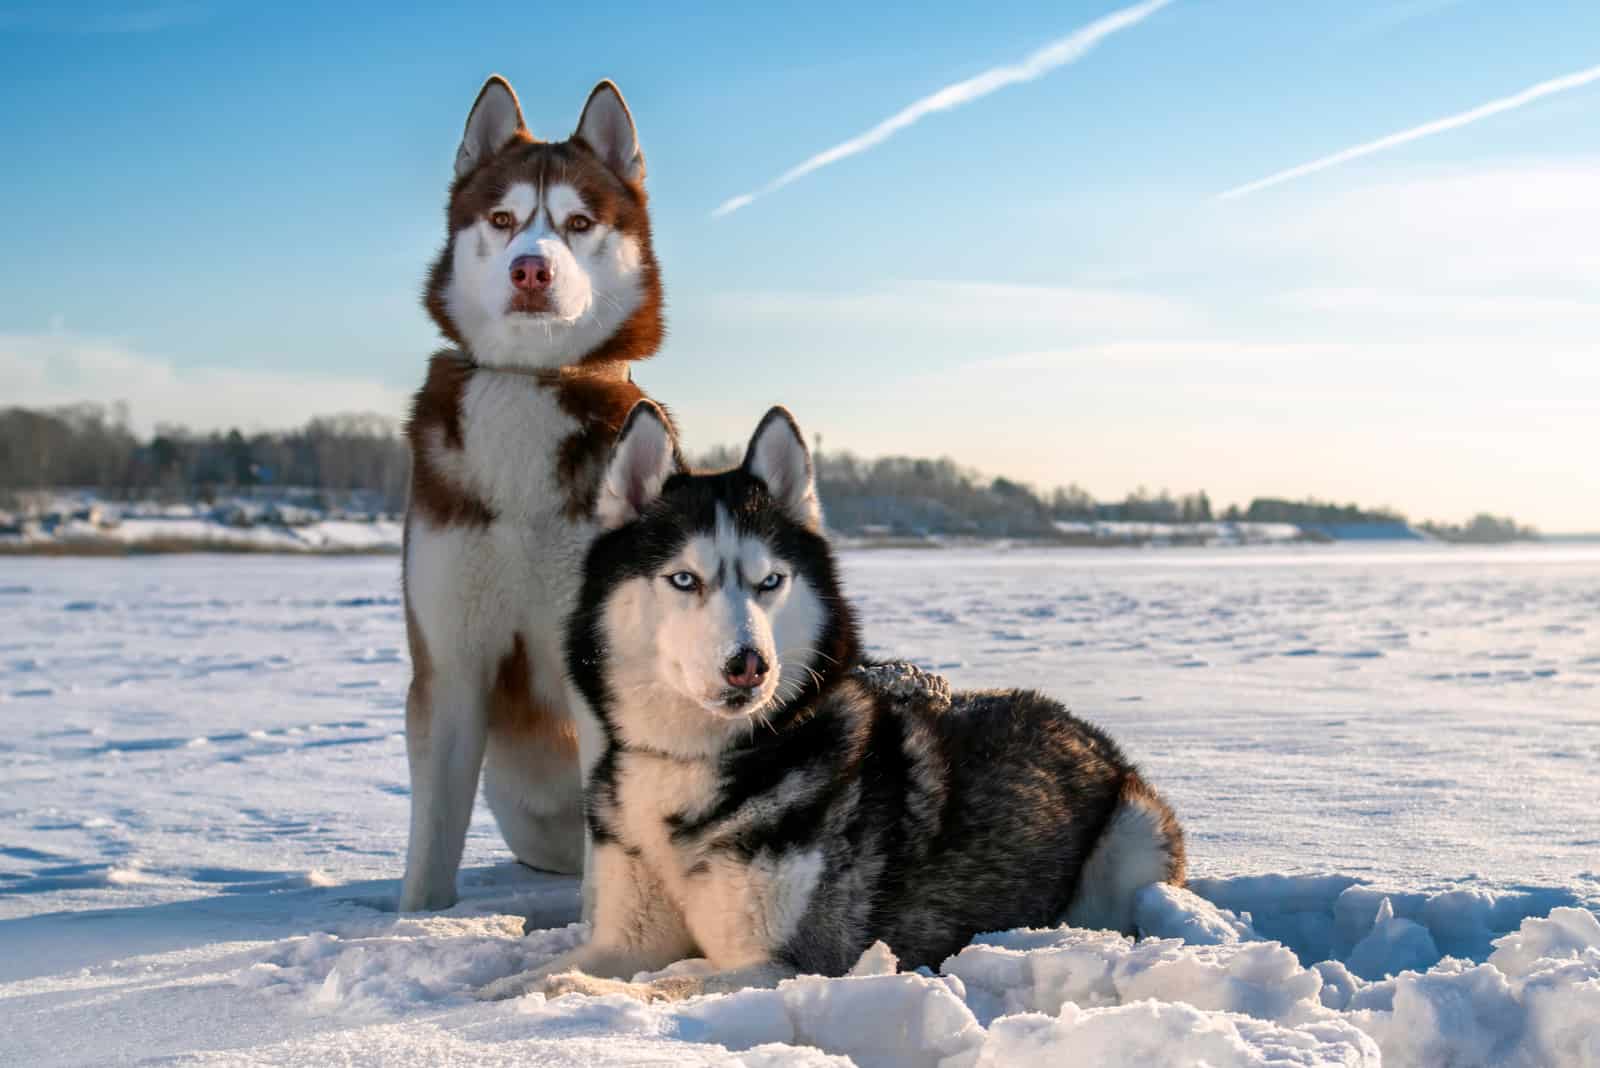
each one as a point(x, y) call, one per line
point(762, 804)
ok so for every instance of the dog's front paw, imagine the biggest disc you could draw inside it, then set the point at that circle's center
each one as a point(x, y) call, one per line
point(591, 987)
point(670, 988)
point(427, 899)
point(512, 986)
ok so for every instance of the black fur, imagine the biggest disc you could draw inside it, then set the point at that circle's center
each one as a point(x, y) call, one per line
point(686, 507)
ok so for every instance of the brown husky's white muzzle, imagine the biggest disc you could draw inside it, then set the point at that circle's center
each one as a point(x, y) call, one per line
point(544, 278)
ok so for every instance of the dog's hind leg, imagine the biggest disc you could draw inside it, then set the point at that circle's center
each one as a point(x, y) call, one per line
point(1141, 844)
point(531, 784)
point(446, 727)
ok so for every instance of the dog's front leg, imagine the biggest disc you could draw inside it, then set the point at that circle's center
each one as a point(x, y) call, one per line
point(636, 928)
point(591, 746)
point(445, 734)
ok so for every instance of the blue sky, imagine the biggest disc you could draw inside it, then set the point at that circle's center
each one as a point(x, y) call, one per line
point(221, 213)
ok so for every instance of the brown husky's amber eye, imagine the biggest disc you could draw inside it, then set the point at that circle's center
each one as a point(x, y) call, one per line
point(501, 220)
point(579, 223)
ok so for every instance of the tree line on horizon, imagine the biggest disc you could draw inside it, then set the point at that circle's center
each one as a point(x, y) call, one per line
point(87, 447)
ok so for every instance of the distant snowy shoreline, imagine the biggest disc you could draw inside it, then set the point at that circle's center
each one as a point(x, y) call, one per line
point(129, 538)
point(84, 525)
point(383, 537)
point(89, 527)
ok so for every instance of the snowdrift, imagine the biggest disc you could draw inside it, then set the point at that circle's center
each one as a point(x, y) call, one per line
point(1205, 987)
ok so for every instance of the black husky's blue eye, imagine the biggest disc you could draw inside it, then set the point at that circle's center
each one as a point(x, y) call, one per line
point(771, 582)
point(687, 581)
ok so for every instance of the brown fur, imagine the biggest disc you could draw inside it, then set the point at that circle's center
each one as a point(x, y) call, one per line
point(599, 398)
point(436, 417)
point(611, 200)
point(419, 718)
point(513, 706)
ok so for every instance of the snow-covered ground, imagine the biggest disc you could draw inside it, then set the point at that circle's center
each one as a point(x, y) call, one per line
point(1386, 761)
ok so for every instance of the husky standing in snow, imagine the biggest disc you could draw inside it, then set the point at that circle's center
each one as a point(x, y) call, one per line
point(548, 287)
point(765, 803)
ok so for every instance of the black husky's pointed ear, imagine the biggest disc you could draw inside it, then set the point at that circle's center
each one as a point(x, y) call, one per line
point(495, 119)
point(645, 454)
point(607, 127)
point(778, 456)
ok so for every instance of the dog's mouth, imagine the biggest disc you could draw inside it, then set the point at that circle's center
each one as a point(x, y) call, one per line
point(734, 703)
point(529, 304)
point(541, 307)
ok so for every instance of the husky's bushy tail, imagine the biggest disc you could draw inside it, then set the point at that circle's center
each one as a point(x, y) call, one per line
point(1140, 844)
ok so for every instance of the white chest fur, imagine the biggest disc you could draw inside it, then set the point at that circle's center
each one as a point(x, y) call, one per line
point(474, 586)
point(739, 909)
point(512, 431)
point(652, 790)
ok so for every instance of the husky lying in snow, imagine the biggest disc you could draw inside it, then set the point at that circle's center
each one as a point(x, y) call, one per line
point(762, 804)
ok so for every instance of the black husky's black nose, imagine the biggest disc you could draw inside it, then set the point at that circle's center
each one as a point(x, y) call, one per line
point(745, 669)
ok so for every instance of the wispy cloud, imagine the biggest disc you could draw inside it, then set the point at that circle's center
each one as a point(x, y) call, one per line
point(1069, 49)
point(1527, 96)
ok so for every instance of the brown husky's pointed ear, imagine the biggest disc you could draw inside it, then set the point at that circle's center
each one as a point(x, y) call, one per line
point(606, 126)
point(495, 119)
point(778, 456)
point(645, 455)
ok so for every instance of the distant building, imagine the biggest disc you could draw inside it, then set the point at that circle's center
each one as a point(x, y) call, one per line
point(1392, 530)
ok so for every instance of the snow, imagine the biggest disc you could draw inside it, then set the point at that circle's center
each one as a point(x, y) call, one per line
point(1384, 758)
point(1204, 533)
point(1170, 1033)
point(239, 525)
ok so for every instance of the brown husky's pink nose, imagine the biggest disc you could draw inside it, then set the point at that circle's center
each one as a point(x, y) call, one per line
point(532, 273)
point(745, 669)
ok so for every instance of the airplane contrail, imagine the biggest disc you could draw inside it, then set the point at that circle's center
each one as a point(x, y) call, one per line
point(1069, 49)
point(1415, 133)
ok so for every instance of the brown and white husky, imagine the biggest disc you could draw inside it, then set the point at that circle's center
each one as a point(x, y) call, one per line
point(547, 288)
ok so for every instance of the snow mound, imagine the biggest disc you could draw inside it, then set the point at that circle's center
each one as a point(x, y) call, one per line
point(1169, 1034)
point(388, 968)
point(1236, 1000)
point(877, 1021)
point(1375, 931)
point(1204, 987)
point(431, 1045)
point(1040, 971)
